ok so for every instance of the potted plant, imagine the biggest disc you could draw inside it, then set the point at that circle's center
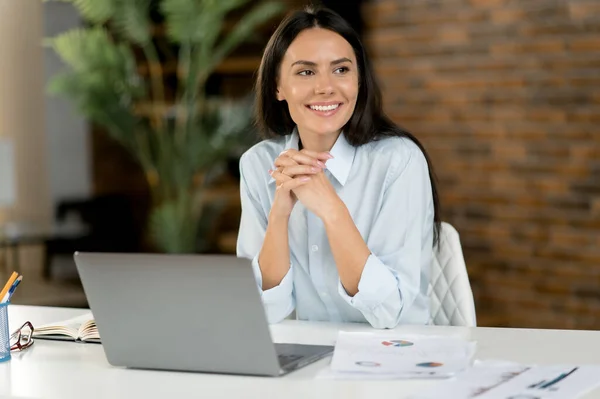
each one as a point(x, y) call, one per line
point(178, 138)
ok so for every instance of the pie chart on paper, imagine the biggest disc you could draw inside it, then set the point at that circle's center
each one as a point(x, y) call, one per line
point(430, 364)
point(397, 343)
point(365, 363)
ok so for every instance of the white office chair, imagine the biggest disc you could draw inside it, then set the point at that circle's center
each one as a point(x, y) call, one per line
point(449, 288)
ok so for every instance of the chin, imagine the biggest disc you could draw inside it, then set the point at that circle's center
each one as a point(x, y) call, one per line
point(321, 127)
point(326, 130)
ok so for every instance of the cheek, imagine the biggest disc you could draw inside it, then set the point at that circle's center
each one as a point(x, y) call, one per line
point(297, 94)
point(350, 89)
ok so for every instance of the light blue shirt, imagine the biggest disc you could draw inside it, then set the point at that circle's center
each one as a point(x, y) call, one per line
point(386, 187)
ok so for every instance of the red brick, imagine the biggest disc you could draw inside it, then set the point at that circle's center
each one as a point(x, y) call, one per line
point(596, 212)
point(542, 46)
point(487, 3)
point(504, 16)
point(583, 9)
point(550, 185)
point(584, 43)
point(510, 152)
point(453, 35)
point(572, 239)
point(590, 115)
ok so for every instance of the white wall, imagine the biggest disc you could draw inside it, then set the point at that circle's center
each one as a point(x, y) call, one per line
point(69, 161)
point(22, 106)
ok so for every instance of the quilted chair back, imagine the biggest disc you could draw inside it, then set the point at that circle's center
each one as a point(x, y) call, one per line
point(451, 298)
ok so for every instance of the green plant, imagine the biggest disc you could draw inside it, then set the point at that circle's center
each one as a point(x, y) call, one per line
point(177, 141)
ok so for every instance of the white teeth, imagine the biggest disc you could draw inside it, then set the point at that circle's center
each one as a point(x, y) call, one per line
point(324, 108)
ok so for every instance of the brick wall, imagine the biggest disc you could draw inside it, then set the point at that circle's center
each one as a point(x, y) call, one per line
point(505, 94)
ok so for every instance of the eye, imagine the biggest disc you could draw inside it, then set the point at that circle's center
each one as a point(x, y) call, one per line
point(306, 72)
point(341, 70)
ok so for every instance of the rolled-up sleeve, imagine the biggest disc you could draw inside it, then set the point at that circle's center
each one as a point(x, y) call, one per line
point(401, 245)
point(278, 301)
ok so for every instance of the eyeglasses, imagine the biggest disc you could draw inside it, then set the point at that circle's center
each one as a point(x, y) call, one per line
point(22, 338)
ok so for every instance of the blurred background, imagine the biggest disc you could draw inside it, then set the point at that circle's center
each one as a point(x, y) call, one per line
point(121, 128)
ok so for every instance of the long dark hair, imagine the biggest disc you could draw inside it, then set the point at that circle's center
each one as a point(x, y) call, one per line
point(368, 122)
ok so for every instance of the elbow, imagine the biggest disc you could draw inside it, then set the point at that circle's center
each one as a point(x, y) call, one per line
point(383, 318)
point(383, 324)
point(277, 312)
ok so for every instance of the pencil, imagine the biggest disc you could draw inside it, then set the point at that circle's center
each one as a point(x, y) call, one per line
point(12, 289)
point(9, 284)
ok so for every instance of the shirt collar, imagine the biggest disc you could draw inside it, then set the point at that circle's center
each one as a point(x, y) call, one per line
point(342, 151)
point(343, 157)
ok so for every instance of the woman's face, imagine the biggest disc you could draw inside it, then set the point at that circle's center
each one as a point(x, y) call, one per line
point(318, 78)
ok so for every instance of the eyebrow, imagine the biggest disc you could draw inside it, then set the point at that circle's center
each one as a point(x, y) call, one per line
point(313, 64)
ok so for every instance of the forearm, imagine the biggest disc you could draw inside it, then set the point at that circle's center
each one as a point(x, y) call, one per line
point(347, 246)
point(274, 257)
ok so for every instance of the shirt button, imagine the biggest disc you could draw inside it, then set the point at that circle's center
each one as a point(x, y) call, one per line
point(314, 248)
point(324, 294)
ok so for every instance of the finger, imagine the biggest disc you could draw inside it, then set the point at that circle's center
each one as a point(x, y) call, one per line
point(302, 158)
point(283, 161)
point(323, 156)
point(296, 170)
point(279, 177)
point(294, 183)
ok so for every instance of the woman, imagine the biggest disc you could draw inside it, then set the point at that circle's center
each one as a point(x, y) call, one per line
point(339, 208)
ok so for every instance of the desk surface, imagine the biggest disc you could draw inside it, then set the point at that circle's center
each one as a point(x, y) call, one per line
point(69, 370)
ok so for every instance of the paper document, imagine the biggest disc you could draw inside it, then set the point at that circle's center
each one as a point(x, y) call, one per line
point(491, 380)
point(400, 356)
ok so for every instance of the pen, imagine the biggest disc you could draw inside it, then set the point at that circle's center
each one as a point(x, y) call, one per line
point(8, 284)
point(12, 290)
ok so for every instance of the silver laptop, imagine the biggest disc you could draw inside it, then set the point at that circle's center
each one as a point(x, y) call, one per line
point(185, 312)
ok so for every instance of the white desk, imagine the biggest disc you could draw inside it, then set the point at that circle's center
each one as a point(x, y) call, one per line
point(68, 370)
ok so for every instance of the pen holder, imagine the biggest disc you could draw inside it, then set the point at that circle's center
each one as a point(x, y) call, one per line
point(4, 333)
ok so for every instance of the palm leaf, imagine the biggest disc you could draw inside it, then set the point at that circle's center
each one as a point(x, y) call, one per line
point(228, 5)
point(242, 31)
point(102, 81)
point(95, 11)
point(81, 48)
point(174, 225)
point(186, 20)
point(133, 20)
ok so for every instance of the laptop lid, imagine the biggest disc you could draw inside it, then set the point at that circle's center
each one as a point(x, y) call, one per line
point(178, 312)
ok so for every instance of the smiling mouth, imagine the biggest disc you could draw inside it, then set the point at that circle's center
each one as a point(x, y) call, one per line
point(325, 110)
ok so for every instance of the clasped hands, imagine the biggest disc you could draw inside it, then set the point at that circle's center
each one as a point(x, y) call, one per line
point(299, 176)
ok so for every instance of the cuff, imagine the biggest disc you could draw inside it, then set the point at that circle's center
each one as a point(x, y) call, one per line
point(278, 293)
point(376, 284)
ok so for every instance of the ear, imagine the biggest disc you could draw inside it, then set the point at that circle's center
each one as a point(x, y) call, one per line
point(280, 95)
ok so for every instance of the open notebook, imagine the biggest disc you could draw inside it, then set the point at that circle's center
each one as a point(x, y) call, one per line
point(82, 328)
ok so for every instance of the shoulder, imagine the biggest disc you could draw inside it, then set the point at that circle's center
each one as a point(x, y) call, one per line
point(393, 145)
point(260, 157)
point(397, 152)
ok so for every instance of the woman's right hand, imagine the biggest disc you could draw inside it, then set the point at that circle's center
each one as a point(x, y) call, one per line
point(293, 169)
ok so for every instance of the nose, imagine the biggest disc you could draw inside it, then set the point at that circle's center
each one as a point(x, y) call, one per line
point(324, 84)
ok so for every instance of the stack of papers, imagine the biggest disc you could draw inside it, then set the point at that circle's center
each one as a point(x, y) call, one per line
point(502, 380)
point(375, 355)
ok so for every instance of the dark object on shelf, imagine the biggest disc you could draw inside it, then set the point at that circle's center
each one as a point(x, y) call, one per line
point(113, 223)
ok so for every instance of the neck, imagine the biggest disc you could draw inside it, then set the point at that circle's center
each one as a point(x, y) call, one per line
point(318, 142)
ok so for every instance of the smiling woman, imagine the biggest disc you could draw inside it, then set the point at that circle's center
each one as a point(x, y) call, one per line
point(339, 207)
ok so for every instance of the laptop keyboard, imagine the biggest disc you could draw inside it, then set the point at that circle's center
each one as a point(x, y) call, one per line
point(294, 355)
point(287, 359)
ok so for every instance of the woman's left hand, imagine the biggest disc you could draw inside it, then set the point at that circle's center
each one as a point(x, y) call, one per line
point(319, 196)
